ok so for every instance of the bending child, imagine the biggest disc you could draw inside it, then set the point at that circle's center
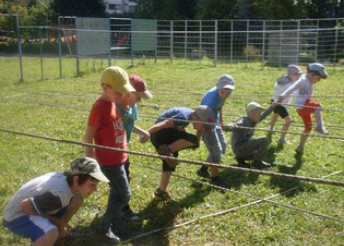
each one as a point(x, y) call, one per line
point(243, 146)
point(168, 135)
point(303, 89)
point(214, 139)
point(127, 106)
point(283, 83)
point(40, 209)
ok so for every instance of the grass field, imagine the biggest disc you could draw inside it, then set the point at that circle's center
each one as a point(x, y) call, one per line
point(300, 213)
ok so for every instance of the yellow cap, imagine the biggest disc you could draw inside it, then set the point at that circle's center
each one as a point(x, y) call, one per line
point(118, 79)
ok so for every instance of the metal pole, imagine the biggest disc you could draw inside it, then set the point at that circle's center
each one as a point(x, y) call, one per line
point(263, 44)
point(335, 44)
point(280, 44)
point(171, 40)
point(215, 42)
point(60, 45)
point(41, 50)
point(247, 38)
point(19, 49)
point(200, 42)
point(231, 44)
point(131, 42)
point(298, 42)
point(185, 39)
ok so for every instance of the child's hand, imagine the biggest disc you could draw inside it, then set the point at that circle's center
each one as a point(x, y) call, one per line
point(144, 137)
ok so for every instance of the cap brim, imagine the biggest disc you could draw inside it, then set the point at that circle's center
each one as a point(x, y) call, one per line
point(146, 94)
point(231, 87)
point(126, 88)
point(100, 176)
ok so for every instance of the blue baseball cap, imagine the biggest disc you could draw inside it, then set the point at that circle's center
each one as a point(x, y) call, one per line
point(318, 68)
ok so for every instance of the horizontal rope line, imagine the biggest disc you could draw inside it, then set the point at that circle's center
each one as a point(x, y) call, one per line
point(234, 168)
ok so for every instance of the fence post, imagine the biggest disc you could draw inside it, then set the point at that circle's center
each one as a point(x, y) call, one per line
point(263, 44)
point(200, 42)
point(280, 44)
point(231, 44)
point(60, 45)
point(171, 40)
point(298, 42)
point(185, 39)
point(41, 50)
point(216, 40)
point(19, 49)
point(335, 44)
point(247, 39)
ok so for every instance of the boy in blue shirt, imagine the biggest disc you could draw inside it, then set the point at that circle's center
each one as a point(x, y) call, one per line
point(168, 135)
point(128, 109)
point(214, 138)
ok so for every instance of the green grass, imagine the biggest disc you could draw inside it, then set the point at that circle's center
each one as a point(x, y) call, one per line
point(59, 108)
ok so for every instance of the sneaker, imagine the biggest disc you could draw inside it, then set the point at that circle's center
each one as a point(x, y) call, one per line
point(162, 195)
point(260, 164)
point(164, 150)
point(109, 235)
point(321, 130)
point(203, 174)
point(242, 163)
point(130, 215)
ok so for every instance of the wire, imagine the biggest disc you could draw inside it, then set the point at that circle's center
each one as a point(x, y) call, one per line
point(234, 168)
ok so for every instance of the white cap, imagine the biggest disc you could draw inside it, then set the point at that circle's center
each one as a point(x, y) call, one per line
point(226, 81)
point(204, 113)
point(318, 68)
point(87, 165)
point(252, 106)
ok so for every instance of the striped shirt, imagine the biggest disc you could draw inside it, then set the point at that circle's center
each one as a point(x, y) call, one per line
point(48, 194)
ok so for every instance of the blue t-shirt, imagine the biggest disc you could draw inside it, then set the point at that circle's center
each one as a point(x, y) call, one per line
point(128, 117)
point(214, 101)
point(178, 113)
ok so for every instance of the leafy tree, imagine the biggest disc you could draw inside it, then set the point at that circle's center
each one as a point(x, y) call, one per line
point(216, 9)
point(80, 8)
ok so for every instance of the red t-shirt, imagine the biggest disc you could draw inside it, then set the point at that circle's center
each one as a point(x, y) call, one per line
point(110, 132)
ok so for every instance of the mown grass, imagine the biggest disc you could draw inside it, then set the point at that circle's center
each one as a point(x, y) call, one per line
point(59, 108)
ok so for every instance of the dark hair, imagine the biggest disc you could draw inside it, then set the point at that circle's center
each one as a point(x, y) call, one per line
point(82, 178)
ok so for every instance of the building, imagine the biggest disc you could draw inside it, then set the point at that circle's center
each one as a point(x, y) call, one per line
point(120, 6)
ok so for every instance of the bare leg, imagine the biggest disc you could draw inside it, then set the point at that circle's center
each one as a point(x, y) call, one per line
point(287, 122)
point(179, 145)
point(273, 121)
point(303, 139)
point(165, 179)
point(48, 239)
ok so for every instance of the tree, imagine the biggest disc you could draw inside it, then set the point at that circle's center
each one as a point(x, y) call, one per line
point(80, 8)
point(216, 9)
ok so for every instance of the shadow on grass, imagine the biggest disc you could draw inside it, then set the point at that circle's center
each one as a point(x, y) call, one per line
point(295, 186)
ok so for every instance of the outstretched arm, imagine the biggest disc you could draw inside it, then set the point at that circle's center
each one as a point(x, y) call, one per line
point(168, 123)
point(144, 135)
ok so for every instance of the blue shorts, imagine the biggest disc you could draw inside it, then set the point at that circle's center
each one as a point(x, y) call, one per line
point(30, 226)
point(216, 143)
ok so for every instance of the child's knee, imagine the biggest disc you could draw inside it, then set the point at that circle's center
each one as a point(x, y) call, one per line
point(287, 120)
point(308, 128)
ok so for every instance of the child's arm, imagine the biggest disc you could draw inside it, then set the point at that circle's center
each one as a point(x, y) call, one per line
point(89, 136)
point(168, 123)
point(266, 112)
point(296, 86)
point(229, 127)
point(221, 118)
point(144, 135)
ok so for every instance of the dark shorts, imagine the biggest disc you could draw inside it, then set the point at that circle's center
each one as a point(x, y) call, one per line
point(168, 136)
point(281, 111)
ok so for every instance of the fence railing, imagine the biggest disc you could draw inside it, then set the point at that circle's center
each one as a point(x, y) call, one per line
point(107, 41)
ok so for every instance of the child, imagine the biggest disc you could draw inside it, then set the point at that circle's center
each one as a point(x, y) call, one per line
point(283, 83)
point(304, 104)
point(105, 127)
point(214, 138)
point(128, 109)
point(243, 146)
point(41, 209)
point(168, 135)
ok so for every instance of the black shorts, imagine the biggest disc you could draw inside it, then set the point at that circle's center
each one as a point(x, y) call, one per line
point(168, 136)
point(281, 111)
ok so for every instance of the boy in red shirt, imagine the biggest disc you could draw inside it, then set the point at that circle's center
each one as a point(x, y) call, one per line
point(105, 127)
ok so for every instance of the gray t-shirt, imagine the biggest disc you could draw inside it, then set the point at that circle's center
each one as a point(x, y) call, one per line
point(48, 194)
point(242, 135)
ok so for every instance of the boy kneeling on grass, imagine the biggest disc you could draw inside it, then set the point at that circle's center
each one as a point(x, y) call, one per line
point(168, 135)
point(41, 209)
point(243, 146)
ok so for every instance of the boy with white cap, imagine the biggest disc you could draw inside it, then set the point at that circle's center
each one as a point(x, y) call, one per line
point(283, 83)
point(40, 209)
point(303, 89)
point(214, 138)
point(243, 146)
point(127, 106)
point(105, 127)
point(168, 135)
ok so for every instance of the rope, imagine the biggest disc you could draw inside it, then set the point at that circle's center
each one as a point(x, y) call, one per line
point(267, 199)
point(234, 168)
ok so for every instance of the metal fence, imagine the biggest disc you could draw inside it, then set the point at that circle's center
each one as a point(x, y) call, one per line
point(102, 42)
